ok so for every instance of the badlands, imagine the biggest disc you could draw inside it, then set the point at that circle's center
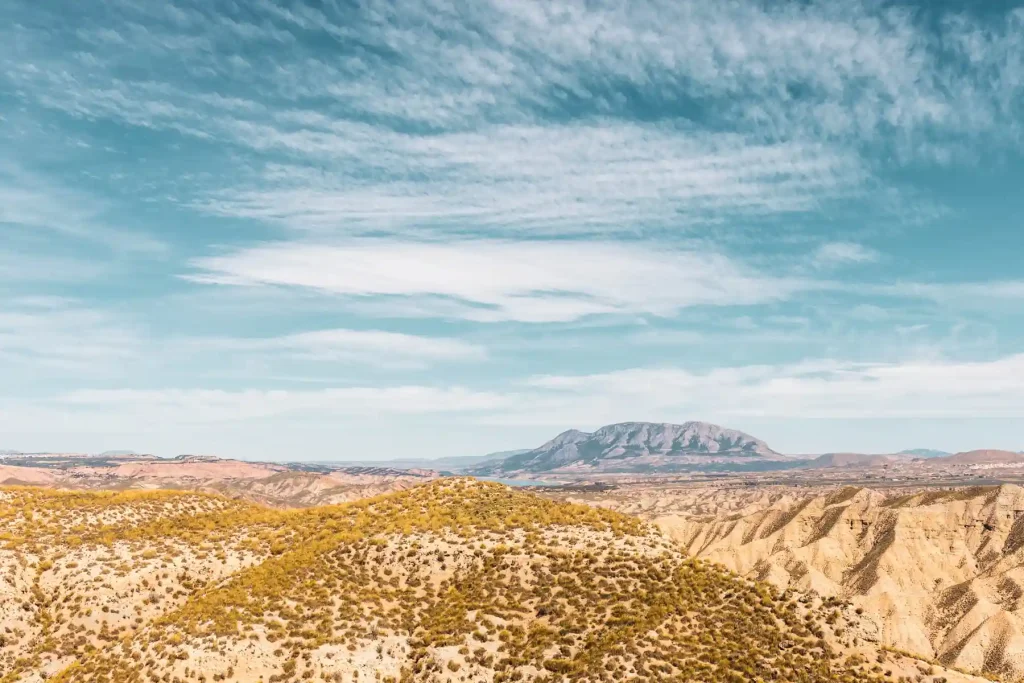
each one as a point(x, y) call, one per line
point(452, 580)
point(937, 571)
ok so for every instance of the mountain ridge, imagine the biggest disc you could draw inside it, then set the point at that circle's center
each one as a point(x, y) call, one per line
point(637, 446)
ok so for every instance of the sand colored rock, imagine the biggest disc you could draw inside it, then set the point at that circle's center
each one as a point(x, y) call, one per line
point(939, 572)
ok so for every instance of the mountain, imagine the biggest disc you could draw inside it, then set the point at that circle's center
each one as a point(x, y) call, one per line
point(637, 447)
point(982, 457)
point(455, 463)
point(853, 460)
point(923, 452)
point(448, 582)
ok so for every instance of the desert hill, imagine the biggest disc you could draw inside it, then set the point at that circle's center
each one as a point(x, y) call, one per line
point(854, 460)
point(266, 483)
point(982, 457)
point(938, 572)
point(636, 447)
point(449, 581)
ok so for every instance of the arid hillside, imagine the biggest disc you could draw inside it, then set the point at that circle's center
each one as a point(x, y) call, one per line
point(450, 581)
point(266, 483)
point(936, 572)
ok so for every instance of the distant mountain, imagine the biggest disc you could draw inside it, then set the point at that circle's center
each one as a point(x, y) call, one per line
point(853, 460)
point(455, 463)
point(637, 447)
point(982, 457)
point(924, 453)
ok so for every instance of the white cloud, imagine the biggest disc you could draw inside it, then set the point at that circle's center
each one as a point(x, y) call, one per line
point(609, 177)
point(34, 202)
point(796, 93)
point(851, 71)
point(181, 406)
point(493, 280)
point(375, 347)
point(813, 389)
point(825, 389)
point(843, 253)
point(43, 333)
point(58, 337)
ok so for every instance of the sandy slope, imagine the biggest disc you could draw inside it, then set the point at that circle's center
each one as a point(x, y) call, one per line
point(12, 474)
point(939, 573)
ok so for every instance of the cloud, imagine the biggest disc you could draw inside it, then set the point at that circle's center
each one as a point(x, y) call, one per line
point(843, 253)
point(375, 347)
point(182, 406)
point(33, 201)
point(51, 334)
point(810, 389)
point(30, 266)
point(819, 389)
point(489, 281)
point(583, 178)
point(47, 336)
point(851, 72)
point(540, 117)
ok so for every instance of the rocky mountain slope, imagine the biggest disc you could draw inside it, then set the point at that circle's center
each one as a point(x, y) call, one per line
point(936, 572)
point(636, 447)
point(450, 581)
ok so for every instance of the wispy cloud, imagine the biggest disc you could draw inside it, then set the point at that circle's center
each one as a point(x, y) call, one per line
point(822, 389)
point(491, 281)
point(843, 253)
point(34, 202)
point(850, 71)
point(48, 334)
point(517, 115)
point(202, 405)
point(810, 389)
point(55, 336)
point(606, 177)
point(375, 347)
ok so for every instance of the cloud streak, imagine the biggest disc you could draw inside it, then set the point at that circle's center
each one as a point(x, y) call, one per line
point(821, 389)
point(491, 281)
point(809, 389)
point(375, 347)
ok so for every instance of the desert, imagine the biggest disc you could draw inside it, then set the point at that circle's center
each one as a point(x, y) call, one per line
point(448, 581)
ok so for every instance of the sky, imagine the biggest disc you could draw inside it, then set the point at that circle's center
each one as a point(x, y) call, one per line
point(274, 229)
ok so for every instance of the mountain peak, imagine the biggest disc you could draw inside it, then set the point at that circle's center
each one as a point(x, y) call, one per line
point(567, 437)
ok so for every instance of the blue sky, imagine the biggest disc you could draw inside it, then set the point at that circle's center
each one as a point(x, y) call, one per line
point(341, 230)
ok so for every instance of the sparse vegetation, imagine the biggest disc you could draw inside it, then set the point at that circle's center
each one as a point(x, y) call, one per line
point(450, 581)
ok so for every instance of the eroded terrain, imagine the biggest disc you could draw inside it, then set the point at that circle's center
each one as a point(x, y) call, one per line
point(937, 570)
point(450, 581)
